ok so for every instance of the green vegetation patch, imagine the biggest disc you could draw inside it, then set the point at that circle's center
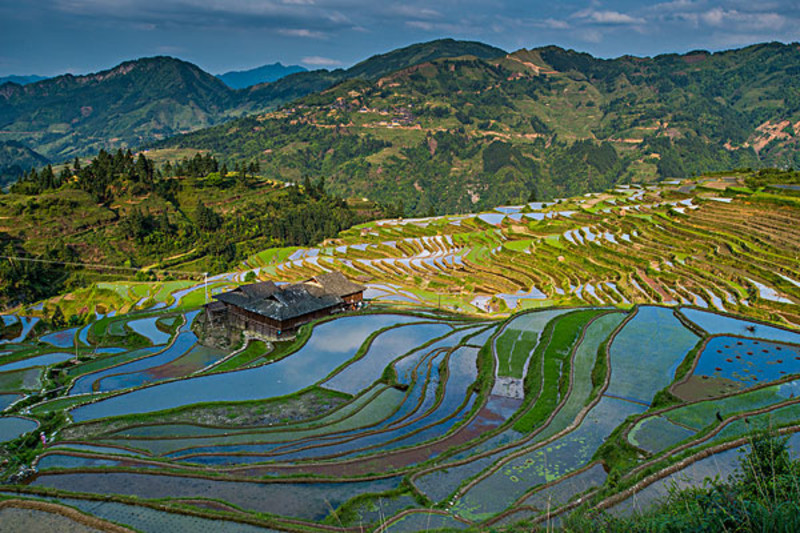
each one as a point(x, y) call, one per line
point(555, 361)
point(514, 347)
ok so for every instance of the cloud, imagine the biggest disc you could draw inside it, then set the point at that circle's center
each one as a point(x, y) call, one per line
point(302, 33)
point(416, 12)
point(205, 14)
point(606, 17)
point(420, 25)
point(555, 24)
point(318, 61)
point(675, 5)
point(720, 17)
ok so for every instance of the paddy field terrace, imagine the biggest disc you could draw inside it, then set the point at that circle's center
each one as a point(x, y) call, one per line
point(512, 366)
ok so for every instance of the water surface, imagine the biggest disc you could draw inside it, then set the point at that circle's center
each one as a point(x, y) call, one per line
point(330, 345)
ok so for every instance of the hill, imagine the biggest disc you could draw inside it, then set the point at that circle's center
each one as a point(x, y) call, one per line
point(305, 83)
point(16, 159)
point(153, 98)
point(241, 79)
point(136, 101)
point(458, 134)
point(21, 80)
point(121, 211)
point(509, 368)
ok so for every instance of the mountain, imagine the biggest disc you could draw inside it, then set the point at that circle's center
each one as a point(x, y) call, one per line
point(16, 159)
point(304, 83)
point(463, 133)
point(383, 64)
point(21, 80)
point(134, 102)
point(153, 98)
point(241, 79)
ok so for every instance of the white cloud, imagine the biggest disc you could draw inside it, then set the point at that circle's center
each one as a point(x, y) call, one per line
point(555, 24)
point(302, 32)
point(719, 17)
point(675, 5)
point(420, 25)
point(170, 50)
point(415, 12)
point(318, 61)
point(606, 17)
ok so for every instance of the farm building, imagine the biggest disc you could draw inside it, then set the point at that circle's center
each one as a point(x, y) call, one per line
point(273, 311)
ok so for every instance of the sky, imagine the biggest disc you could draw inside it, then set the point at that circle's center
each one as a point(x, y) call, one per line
point(50, 37)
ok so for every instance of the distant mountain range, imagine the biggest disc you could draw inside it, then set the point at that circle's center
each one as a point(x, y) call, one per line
point(154, 98)
point(442, 126)
point(15, 159)
point(21, 80)
point(241, 79)
point(457, 134)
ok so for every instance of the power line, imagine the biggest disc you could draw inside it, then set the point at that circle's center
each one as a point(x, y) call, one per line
point(100, 266)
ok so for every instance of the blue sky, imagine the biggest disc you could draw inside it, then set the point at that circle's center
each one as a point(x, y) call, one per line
point(49, 37)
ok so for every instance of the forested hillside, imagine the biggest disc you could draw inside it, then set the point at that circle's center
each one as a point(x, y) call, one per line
point(153, 98)
point(16, 159)
point(121, 210)
point(459, 134)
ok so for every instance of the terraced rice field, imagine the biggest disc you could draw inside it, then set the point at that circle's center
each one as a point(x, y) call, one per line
point(642, 347)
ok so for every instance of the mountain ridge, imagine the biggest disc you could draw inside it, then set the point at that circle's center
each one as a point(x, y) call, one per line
point(150, 98)
point(242, 79)
point(21, 80)
point(458, 134)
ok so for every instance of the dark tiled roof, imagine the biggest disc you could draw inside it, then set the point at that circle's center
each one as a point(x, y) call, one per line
point(336, 283)
point(215, 306)
point(283, 303)
point(259, 290)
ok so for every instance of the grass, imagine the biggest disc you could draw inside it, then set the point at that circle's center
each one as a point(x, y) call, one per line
point(513, 349)
point(26, 379)
point(254, 351)
point(65, 403)
point(762, 494)
point(566, 331)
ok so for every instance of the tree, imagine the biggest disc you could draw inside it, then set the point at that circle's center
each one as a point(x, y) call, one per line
point(206, 218)
point(57, 319)
point(766, 472)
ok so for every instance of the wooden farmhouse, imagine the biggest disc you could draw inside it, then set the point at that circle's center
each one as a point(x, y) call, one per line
point(274, 311)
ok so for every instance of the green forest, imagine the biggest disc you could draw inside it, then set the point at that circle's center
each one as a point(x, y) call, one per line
point(464, 134)
point(126, 211)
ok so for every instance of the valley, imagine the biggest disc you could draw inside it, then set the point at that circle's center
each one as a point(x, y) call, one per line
point(511, 366)
point(449, 287)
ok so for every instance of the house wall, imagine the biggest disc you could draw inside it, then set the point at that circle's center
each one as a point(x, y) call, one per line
point(247, 320)
point(353, 298)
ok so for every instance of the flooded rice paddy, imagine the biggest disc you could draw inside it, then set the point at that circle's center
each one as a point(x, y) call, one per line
point(418, 401)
